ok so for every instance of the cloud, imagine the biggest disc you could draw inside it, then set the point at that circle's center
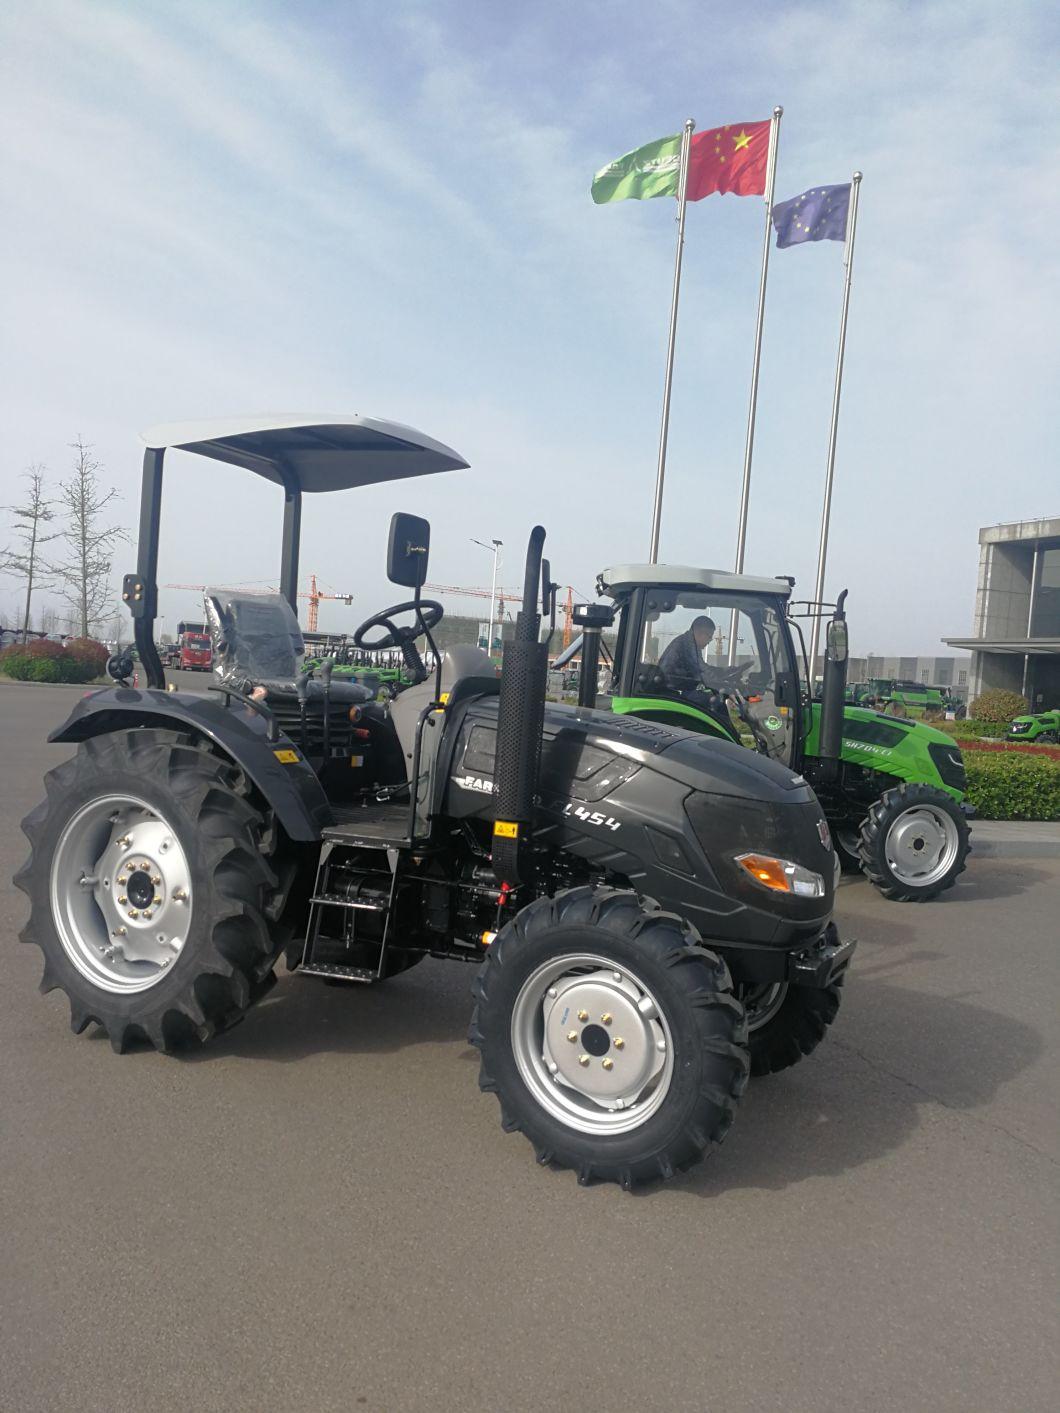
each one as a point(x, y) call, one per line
point(384, 208)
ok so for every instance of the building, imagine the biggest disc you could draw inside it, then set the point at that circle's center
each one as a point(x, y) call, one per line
point(1016, 631)
point(951, 672)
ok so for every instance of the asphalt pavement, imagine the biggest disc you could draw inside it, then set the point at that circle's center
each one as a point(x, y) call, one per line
point(321, 1212)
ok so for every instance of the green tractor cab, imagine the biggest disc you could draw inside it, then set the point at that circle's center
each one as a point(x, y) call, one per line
point(1042, 727)
point(716, 653)
point(649, 911)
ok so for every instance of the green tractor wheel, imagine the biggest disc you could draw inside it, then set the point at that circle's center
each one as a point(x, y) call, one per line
point(914, 843)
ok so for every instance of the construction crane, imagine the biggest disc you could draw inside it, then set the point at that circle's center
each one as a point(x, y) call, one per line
point(503, 595)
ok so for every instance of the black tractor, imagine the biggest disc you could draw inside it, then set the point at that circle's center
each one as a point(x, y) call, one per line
point(650, 909)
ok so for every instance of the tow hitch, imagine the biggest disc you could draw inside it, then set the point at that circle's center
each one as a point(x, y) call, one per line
point(822, 963)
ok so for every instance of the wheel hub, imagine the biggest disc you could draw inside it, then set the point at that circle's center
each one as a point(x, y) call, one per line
point(921, 845)
point(591, 1044)
point(120, 893)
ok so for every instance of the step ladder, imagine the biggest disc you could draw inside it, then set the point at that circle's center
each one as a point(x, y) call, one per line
point(323, 898)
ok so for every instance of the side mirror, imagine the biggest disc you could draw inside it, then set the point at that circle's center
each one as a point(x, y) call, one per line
point(837, 640)
point(407, 550)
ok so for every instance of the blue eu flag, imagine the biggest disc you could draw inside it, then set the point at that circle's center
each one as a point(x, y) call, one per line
point(818, 214)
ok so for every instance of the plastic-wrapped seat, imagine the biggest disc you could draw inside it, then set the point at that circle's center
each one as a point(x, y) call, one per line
point(257, 642)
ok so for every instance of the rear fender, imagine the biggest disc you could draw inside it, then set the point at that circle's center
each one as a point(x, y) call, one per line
point(277, 768)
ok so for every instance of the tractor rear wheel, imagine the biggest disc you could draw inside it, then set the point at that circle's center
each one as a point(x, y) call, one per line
point(914, 843)
point(150, 887)
point(610, 1035)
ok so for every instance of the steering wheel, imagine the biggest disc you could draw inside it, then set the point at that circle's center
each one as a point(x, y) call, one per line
point(395, 637)
point(733, 674)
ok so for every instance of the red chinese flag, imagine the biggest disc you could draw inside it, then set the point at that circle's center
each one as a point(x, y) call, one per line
point(732, 158)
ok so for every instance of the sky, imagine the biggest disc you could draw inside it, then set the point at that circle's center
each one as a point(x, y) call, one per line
point(383, 208)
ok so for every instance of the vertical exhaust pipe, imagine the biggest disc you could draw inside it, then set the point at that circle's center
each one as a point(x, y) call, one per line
point(524, 677)
point(833, 689)
point(592, 619)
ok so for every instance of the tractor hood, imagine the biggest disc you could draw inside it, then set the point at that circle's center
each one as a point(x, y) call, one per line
point(700, 762)
point(668, 810)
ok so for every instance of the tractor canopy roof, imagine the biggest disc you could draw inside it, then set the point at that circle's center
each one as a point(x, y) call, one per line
point(312, 453)
point(625, 577)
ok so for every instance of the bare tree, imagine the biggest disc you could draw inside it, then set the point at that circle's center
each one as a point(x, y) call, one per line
point(32, 520)
point(83, 578)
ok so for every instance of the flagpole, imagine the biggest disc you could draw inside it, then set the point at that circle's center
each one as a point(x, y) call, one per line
point(682, 186)
point(748, 451)
point(826, 511)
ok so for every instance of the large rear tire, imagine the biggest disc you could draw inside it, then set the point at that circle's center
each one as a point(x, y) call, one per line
point(610, 1036)
point(914, 843)
point(150, 889)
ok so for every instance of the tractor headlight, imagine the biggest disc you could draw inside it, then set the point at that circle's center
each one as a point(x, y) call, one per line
point(781, 875)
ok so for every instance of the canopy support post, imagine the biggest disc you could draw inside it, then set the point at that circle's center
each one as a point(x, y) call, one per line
point(292, 535)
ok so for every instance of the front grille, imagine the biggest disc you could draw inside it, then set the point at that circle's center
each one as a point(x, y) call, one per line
point(950, 765)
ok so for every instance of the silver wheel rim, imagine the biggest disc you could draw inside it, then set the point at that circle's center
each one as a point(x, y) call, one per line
point(922, 845)
point(120, 891)
point(616, 1070)
point(762, 1003)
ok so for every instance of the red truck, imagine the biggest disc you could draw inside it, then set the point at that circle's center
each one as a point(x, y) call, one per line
point(193, 642)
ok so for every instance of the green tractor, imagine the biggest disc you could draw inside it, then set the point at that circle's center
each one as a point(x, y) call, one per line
point(1042, 727)
point(891, 789)
point(903, 698)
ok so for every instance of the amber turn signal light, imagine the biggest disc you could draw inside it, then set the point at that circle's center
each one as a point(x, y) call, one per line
point(782, 876)
point(764, 869)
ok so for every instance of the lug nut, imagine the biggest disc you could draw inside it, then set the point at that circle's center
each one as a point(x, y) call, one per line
point(122, 882)
point(583, 1015)
point(553, 992)
point(618, 1043)
point(572, 1036)
point(608, 1064)
point(122, 900)
point(155, 879)
point(607, 1018)
point(552, 1067)
point(147, 912)
point(179, 895)
point(133, 912)
point(583, 1060)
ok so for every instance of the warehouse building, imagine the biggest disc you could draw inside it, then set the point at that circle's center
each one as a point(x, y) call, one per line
point(1016, 630)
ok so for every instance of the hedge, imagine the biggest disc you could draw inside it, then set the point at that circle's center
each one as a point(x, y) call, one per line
point(80, 660)
point(1007, 786)
point(970, 730)
point(995, 704)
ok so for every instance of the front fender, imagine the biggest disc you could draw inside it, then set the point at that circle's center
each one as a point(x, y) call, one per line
point(290, 786)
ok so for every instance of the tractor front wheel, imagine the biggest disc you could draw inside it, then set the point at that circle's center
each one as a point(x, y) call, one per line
point(149, 889)
point(610, 1035)
point(786, 1023)
point(914, 843)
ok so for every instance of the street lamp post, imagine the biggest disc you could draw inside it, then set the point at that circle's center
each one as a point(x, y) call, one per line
point(494, 548)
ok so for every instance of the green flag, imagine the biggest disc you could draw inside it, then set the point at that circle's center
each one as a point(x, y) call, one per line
point(652, 170)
